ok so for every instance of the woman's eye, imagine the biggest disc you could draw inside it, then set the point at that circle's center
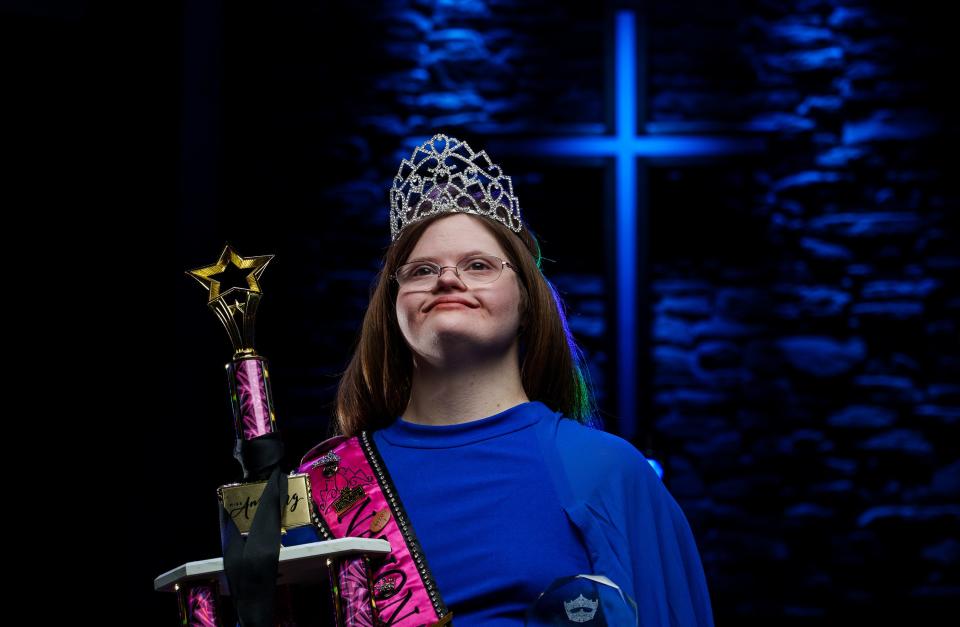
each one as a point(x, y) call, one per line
point(417, 270)
point(482, 265)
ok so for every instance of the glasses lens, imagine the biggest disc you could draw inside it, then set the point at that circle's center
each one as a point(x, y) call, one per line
point(417, 273)
point(480, 269)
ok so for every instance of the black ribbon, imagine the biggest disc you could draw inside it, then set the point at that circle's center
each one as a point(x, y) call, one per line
point(251, 563)
point(258, 456)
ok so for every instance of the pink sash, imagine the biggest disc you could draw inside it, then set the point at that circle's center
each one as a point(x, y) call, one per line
point(355, 497)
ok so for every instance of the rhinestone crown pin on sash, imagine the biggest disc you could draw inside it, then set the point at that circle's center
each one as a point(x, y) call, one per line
point(444, 175)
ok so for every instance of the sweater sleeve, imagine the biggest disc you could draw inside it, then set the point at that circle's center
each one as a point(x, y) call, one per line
point(636, 532)
point(667, 565)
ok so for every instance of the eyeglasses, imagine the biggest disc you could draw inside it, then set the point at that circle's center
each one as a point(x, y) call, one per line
point(474, 270)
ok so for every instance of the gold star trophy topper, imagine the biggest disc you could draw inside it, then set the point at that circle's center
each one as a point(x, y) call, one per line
point(236, 307)
point(234, 286)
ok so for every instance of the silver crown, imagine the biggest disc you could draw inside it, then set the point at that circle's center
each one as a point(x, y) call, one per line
point(443, 175)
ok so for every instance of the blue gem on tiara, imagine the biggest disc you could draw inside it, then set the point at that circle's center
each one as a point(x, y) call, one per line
point(444, 175)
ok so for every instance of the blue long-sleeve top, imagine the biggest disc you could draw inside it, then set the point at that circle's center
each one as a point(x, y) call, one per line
point(504, 505)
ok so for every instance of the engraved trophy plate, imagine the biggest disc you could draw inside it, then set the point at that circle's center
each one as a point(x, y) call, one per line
point(241, 500)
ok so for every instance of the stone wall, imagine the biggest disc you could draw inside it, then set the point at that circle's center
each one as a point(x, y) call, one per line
point(804, 396)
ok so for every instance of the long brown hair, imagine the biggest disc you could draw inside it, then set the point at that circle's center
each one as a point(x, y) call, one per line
point(375, 387)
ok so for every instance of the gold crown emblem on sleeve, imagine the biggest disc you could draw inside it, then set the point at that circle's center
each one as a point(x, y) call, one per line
point(444, 175)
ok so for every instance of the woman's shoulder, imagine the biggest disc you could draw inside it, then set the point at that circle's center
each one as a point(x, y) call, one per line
point(322, 448)
point(578, 441)
point(608, 474)
point(594, 460)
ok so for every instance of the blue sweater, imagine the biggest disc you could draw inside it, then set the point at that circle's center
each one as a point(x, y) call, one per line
point(505, 504)
point(482, 503)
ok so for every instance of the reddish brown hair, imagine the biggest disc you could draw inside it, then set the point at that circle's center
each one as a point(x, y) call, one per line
point(375, 387)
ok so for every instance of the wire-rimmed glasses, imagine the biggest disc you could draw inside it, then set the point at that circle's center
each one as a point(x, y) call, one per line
point(472, 270)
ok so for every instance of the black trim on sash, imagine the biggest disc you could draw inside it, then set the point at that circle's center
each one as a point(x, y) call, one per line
point(392, 497)
point(317, 515)
point(321, 522)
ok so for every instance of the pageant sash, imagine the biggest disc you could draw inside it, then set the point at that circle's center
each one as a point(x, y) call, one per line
point(355, 497)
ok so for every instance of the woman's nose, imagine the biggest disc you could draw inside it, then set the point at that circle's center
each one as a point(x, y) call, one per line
point(452, 277)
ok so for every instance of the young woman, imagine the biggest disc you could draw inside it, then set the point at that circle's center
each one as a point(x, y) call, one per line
point(467, 431)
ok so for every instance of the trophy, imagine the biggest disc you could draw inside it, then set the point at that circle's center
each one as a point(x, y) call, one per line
point(577, 599)
point(268, 522)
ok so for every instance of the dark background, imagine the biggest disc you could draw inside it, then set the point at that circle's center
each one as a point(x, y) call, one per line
point(799, 307)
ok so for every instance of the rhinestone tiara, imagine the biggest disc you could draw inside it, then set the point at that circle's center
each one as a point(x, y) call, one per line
point(443, 175)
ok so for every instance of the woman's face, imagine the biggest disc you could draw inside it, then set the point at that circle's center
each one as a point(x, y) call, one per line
point(486, 325)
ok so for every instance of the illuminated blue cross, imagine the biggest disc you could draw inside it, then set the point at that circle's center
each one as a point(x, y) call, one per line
point(626, 146)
